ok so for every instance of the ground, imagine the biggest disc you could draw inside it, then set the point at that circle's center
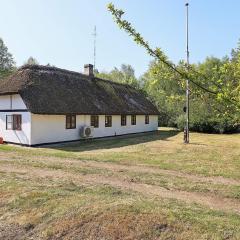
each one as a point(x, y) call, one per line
point(146, 186)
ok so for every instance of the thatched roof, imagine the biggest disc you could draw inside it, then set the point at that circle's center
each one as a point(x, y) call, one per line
point(50, 90)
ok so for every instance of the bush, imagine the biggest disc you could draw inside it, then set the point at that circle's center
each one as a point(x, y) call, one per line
point(208, 125)
point(181, 121)
point(214, 126)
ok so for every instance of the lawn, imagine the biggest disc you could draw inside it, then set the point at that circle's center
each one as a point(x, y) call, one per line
point(145, 186)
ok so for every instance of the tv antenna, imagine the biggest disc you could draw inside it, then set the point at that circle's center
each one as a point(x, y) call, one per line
point(94, 47)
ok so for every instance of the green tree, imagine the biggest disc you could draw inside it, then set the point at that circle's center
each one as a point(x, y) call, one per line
point(7, 64)
point(214, 86)
point(125, 75)
point(31, 61)
point(207, 114)
point(215, 90)
point(164, 89)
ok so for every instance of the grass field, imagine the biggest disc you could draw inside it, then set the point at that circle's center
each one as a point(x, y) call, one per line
point(146, 186)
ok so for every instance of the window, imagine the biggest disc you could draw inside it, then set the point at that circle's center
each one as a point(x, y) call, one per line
point(70, 121)
point(146, 119)
point(133, 119)
point(14, 122)
point(123, 120)
point(94, 121)
point(108, 121)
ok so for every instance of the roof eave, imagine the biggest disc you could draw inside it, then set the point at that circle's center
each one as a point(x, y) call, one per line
point(8, 93)
point(89, 113)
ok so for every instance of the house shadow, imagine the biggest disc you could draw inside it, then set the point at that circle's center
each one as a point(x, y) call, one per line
point(116, 141)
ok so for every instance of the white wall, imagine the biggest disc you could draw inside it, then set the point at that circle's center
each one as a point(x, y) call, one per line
point(23, 136)
point(52, 128)
point(117, 129)
point(10, 102)
point(15, 102)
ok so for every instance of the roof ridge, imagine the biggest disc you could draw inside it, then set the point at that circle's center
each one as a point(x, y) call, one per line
point(50, 68)
point(62, 70)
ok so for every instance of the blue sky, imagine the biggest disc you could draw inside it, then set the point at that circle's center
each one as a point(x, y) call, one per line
point(59, 32)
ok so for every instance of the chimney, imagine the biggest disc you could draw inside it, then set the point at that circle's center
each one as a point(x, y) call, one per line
point(88, 70)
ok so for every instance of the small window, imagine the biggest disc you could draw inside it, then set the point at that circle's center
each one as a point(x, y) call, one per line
point(14, 122)
point(70, 121)
point(146, 119)
point(123, 120)
point(95, 121)
point(108, 121)
point(133, 119)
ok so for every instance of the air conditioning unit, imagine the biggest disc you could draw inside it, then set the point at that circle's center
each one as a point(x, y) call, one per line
point(86, 132)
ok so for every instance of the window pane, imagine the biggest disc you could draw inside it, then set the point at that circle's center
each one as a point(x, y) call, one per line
point(9, 118)
point(14, 122)
point(73, 121)
point(94, 121)
point(9, 122)
point(70, 121)
point(68, 125)
point(108, 121)
point(17, 122)
point(123, 120)
point(97, 122)
point(146, 119)
point(133, 119)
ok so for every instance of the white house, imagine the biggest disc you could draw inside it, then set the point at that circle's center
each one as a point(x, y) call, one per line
point(43, 105)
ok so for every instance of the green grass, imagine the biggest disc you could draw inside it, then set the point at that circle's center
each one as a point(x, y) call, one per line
point(162, 180)
point(55, 207)
point(207, 154)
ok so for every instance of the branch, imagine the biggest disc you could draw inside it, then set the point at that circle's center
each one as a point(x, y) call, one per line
point(157, 53)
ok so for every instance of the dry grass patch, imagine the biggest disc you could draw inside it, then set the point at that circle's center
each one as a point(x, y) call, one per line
point(124, 188)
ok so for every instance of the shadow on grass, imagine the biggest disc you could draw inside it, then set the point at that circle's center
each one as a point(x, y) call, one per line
point(115, 142)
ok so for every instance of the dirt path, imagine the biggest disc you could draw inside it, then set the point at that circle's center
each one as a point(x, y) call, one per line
point(213, 202)
point(156, 170)
point(131, 168)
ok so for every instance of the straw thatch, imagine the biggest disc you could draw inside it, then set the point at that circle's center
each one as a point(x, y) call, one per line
point(50, 90)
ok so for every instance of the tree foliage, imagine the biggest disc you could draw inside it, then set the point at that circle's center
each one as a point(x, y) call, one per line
point(214, 86)
point(7, 64)
point(207, 114)
point(157, 53)
point(124, 75)
point(31, 61)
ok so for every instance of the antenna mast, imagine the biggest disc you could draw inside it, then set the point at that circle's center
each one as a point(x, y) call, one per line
point(186, 132)
point(94, 47)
